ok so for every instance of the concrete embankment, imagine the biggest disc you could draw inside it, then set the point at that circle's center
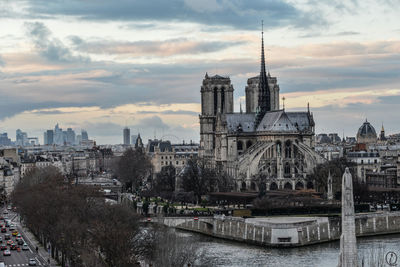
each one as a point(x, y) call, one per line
point(285, 231)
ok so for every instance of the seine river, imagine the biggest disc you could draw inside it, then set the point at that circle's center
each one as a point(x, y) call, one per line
point(217, 252)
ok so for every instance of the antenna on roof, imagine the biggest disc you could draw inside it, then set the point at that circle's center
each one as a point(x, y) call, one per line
point(283, 101)
point(241, 111)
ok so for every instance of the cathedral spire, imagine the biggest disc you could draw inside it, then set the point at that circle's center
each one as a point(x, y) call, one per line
point(264, 102)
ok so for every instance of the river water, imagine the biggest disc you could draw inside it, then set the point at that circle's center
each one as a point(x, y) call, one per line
point(217, 252)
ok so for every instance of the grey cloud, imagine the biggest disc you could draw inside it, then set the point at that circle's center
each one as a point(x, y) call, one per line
point(153, 48)
point(49, 47)
point(2, 62)
point(346, 33)
point(180, 83)
point(10, 106)
point(18, 81)
point(170, 112)
point(48, 112)
point(324, 34)
point(153, 122)
point(239, 13)
point(180, 112)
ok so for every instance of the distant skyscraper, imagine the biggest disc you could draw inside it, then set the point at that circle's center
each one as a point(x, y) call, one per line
point(70, 136)
point(127, 135)
point(58, 135)
point(78, 139)
point(45, 138)
point(85, 135)
point(50, 137)
point(21, 138)
point(4, 140)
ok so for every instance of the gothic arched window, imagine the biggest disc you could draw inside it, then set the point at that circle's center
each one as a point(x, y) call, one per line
point(215, 100)
point(239, 145)
point(222, 100)
point(287, 168)
point(278, 148)
point(288, 149)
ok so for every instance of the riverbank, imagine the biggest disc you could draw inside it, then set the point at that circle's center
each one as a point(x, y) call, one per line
point(283, 231)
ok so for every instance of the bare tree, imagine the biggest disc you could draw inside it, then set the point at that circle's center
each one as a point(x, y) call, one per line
point(173, 249)
point(164, 183)
point(133, 167)
point(200, 178)
point(77, 221)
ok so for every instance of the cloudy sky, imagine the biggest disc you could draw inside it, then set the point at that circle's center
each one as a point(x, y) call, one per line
point(101, 65)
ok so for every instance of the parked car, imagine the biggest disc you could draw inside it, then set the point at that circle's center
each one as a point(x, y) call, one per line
point(7, 252)
point(32, 262)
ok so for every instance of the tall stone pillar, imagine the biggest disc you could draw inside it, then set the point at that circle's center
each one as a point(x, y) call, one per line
point(348, 243)
point(330, 192)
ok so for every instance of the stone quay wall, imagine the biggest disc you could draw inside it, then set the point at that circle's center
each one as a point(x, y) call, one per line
point(304, 232)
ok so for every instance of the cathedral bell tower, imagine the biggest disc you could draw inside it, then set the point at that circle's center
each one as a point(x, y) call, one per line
point(216, 98)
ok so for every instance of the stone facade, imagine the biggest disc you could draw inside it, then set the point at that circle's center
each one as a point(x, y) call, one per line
point(266, 146)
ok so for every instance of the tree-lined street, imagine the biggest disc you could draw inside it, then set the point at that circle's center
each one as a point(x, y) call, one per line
point(22, 257)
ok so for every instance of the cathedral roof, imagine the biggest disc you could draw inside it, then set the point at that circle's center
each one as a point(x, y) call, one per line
point(243, 121)
point(218, 77)
point(281, 121)
point(276, 121)
point(302, 120)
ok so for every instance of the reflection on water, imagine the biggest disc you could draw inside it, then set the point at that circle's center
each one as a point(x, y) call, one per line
point(217, 252)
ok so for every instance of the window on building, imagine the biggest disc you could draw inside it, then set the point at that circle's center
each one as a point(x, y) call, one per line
point(239, 145)
point(222, 100)
point(215, 101)
point(287, 168)
point(288, 149)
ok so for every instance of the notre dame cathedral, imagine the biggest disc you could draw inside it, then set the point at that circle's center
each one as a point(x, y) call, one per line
point(265, 146)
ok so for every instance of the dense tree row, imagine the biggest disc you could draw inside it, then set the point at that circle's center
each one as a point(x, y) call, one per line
point(83, 230)
point(76, 221)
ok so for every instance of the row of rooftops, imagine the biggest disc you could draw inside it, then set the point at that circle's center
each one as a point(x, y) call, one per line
point(167, 146)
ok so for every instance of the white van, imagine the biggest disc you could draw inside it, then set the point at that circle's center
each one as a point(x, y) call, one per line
point(2, 264)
